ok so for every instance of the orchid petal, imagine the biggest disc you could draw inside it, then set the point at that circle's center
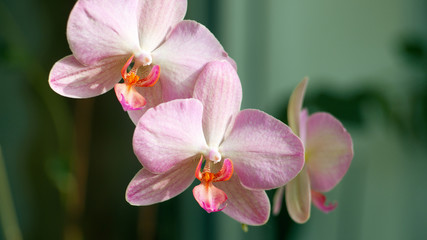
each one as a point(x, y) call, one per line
point(250, 207)
point(169, 134)
point(319, 200)
point(295, 105)
point(265, 152)
point(128, 97)
point(218, 88)
point(156, 20)
point(278, 199)
point(209, 197)
point(298, 198)
point(329, 151)
point(70, 78)
point(148, 188)
point(182, 56)
point(99, 29)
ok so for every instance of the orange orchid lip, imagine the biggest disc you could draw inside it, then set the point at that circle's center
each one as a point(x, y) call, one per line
point(128, 96)
point(209, 197)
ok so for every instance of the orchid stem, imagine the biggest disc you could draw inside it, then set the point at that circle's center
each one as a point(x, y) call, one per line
point(7, 209)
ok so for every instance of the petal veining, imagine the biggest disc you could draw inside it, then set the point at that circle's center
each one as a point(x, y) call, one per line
point(189, 47)
point(70, 78)
point(156, 19)
point(168, 134)
point(218, 88)
point(99, 29)
point(147, 188)
point(265, 152)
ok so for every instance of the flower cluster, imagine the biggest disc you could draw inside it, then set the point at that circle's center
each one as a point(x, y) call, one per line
point(183, 93)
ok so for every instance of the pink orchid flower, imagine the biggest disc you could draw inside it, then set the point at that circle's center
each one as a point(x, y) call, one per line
point(107, 37)
point(328, 154)
point(244, 152)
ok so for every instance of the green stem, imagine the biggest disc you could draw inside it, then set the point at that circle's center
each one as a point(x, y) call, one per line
point(7, 209)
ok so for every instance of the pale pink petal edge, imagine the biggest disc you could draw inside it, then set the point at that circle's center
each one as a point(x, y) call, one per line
point(265, 152)
point(168, 134)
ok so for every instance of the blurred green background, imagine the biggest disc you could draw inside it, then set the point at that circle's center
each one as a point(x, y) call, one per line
point(68, 161)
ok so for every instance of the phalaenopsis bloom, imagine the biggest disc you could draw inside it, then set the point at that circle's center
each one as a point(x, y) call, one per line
point(328, 154)
point(235, 155)
point(139, 41)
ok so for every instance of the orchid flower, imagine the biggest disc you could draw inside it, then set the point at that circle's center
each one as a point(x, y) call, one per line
point(328, 154)
point(149, 37)
point(243, 152)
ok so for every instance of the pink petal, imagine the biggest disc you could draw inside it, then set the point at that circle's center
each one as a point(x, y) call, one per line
point(70, 78)
point(129, 98)
point(329, 151)
point(209, 197)
point(182, 56)
point(156, 20)
point(169, 134)
point(250, 207)
point(218, 88)
point(319, 200)
point(277, 200)
point(298, 198)
point(265, 152)
point(99, 29)
point(154, 97)
point(295, 105)
point(147, 188)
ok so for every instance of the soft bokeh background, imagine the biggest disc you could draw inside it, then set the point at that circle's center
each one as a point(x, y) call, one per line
point(66, 162)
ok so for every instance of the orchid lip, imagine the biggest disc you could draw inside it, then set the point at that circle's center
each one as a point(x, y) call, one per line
point(128, 96)
point(209, 197)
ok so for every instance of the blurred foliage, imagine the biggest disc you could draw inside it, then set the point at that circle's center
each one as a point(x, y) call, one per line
point(349, 108)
